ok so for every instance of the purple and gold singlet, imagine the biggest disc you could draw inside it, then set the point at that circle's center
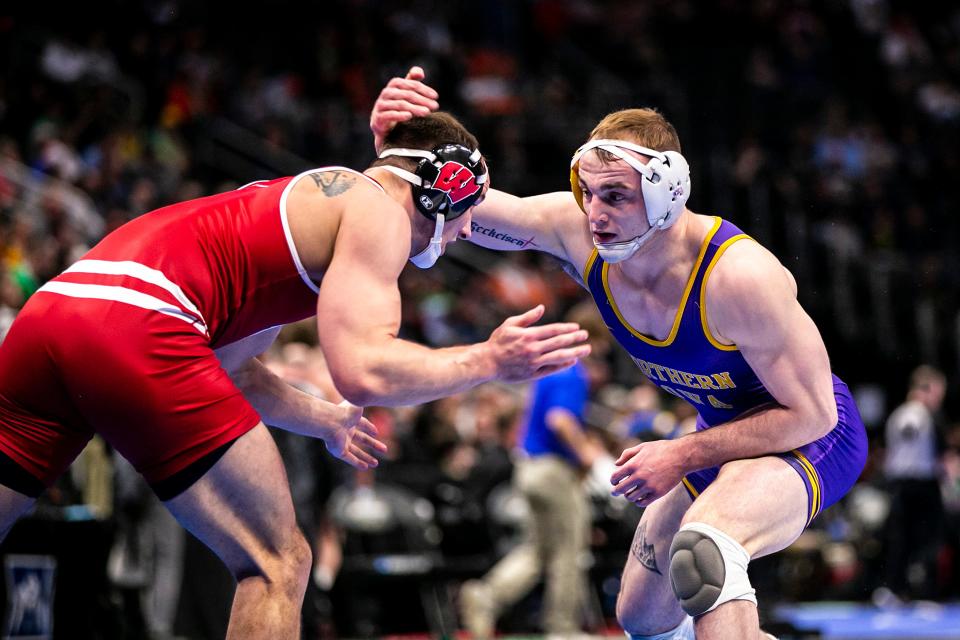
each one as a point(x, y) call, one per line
point(716, 379)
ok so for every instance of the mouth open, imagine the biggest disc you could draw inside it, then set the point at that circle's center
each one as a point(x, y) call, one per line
point(603, 237)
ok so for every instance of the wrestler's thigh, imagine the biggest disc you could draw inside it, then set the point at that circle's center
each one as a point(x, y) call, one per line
point(241, 508)
point(762, 503)
point(154, 389)
point(41, 431)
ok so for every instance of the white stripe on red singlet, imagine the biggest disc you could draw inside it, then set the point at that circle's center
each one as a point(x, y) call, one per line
point(125, 296)
point(255, 183)
point(140, 272)
point(286, 224)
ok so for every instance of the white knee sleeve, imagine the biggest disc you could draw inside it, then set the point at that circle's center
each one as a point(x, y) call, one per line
point(683, 631)
point(708, 568)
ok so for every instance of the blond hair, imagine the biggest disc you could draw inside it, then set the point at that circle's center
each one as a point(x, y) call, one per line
point(646, 127)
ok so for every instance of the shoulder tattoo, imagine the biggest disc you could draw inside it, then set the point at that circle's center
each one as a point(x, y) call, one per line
point(334, 183)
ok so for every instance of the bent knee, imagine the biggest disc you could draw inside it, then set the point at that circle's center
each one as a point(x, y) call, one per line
point(639, 597)
point(629, 616)
point(707, 569)
point(623, 612)
point(296, 557)
point(299, 554)
point(286, 563)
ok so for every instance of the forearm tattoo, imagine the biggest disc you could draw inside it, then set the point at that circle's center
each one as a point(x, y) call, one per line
point(334, 183)
point(644, 552)
point(503, 236)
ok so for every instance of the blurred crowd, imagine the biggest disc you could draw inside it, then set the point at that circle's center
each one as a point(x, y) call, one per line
point(829, 131)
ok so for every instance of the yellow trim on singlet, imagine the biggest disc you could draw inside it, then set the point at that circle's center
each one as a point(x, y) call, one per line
point(683, 300)
point(817, 498)
point(588, 266)
point(690, 488)
point(703, 294)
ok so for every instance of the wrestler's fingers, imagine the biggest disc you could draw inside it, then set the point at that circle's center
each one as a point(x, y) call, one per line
point(618, 479)
point(384, 120)
point(544, 331)
point(647, 499)
point(352, 460)
point(411, 90)
point(357, 457)
point(368, 427)
point(410, 95)
point(562, 355)
point(543, 372)
point(627, 485)
point(619, 476)
point(401, 105)
point(368, 434)
point(372, 443)
point(624, 486)
point(363, 456)
point(640, 495)
point(526, 318)
point(626, 455)
point(562, 340)
point(416, 73)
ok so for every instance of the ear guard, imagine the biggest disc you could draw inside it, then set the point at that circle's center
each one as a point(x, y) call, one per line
point(665, 180)
point(447, 181)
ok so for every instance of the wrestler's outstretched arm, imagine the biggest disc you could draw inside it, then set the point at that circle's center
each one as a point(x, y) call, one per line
point(551, 222)
point(346, 433)
point(358, 316)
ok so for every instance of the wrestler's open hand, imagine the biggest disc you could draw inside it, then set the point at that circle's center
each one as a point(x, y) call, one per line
point(522, 351)
point(647, 471)
point(353, 438)
point(400, 100)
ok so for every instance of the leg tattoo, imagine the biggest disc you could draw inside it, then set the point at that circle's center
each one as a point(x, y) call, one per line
point(643, 552)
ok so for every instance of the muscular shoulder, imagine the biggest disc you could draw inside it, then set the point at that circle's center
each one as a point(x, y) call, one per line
point(747, 288)
point(375, 227)
point(333, 189)
point(747, 270)
point(327, 208)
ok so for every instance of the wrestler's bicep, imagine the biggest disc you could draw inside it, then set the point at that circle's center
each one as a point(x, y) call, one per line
point(358, 306)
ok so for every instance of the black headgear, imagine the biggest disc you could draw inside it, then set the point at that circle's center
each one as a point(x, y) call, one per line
point(447, 180)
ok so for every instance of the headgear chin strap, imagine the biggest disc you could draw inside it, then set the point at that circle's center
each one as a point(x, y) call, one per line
point(665, 185)
point(446, 183)
point(431, 253)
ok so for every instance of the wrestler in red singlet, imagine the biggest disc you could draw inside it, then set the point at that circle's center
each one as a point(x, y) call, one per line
point(122, 342)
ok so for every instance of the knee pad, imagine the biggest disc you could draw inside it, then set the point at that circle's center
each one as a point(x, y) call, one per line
point(708, 568)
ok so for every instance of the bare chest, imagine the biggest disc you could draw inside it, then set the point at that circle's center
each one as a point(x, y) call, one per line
point(653, 310)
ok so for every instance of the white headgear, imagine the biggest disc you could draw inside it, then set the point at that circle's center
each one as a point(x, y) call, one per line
point(665, 185)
